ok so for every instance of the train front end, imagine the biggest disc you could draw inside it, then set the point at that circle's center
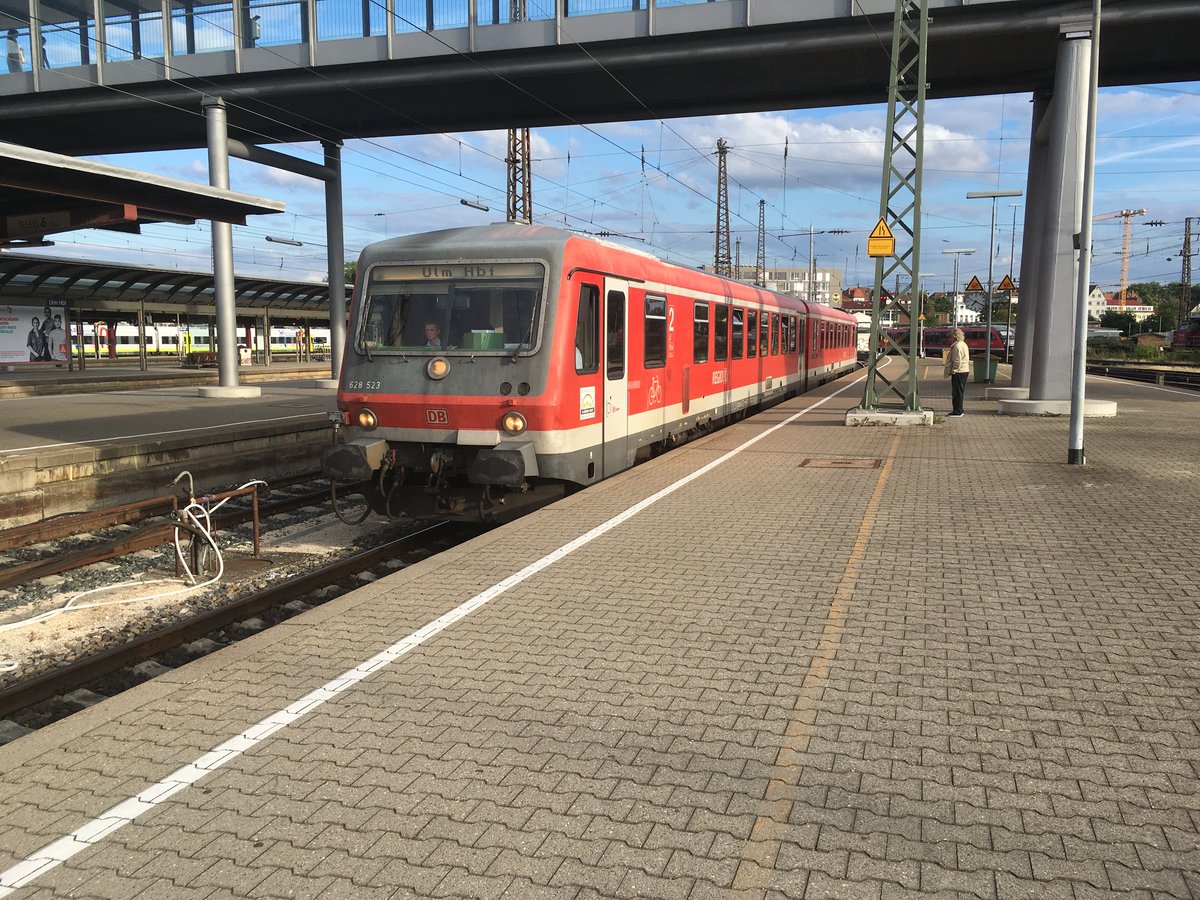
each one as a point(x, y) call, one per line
point(443, 407)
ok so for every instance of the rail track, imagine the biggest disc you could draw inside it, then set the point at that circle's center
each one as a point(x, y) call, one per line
point(150, 535)
point(1188, 379)
point(36, 701)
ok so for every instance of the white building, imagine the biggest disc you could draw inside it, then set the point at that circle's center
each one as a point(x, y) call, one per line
point(1100, 302)
point(826, 284)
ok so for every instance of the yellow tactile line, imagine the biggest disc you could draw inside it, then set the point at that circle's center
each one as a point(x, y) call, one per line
point(755, 871)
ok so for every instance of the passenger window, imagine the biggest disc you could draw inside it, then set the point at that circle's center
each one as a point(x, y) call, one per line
point(774, 334)
point(700, 333)
point(721, 333)
point(739, 332)
point(794, 333)
point(764, 334)
point(587, 328)
point(615, 336)
point(751, 333)
point(785, 328)
point(655, 330)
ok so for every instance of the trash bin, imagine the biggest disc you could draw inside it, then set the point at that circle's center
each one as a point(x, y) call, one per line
point(985, 369)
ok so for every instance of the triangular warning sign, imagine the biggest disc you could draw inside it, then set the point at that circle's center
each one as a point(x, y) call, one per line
point(882, 231)
point(1006, 284)
point(975, 286)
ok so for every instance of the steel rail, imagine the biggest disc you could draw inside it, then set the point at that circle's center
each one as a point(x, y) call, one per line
point(59, 681)
point(70, 524)
point(144, 539)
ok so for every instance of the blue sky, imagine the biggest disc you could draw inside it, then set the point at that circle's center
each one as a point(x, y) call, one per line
point(655, 182)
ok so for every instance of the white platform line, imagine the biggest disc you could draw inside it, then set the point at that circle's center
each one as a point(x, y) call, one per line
point(126, 811)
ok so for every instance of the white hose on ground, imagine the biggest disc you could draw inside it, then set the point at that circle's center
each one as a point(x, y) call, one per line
point(193, 514)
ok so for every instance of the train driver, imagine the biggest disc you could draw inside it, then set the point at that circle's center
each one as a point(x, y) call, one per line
point(433, 335)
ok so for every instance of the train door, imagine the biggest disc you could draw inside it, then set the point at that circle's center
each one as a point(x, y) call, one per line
point(616, 376)
point(804, 351)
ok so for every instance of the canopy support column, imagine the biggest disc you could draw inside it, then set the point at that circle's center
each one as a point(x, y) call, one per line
point(222, 241)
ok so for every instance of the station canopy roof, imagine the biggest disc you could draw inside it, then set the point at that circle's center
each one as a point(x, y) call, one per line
point(45, 193)
point(26, 278)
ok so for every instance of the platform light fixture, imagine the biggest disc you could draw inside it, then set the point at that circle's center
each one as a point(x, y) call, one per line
point(957, 251)
point(474, 205)
point(993, 196)
point(289, 241)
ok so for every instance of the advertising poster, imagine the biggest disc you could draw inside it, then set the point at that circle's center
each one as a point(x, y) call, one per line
point(33, 333)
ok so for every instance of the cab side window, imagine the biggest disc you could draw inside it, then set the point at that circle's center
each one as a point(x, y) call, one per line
point(587, 326)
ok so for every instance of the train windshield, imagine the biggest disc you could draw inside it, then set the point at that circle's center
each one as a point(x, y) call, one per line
point(452, 307)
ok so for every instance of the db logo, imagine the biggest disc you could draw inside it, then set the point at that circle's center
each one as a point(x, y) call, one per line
point(437, 417)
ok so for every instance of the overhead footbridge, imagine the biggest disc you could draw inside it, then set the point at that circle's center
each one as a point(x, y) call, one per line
point(129, 75)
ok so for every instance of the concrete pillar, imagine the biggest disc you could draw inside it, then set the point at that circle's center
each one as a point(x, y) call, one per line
point(337, 259)
point(1031, 242)
point(222, 241)
point(1054, 328)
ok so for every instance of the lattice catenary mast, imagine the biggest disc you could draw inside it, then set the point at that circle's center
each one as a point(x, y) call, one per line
point(721, 260)
point(520, 197)
point(900, 198)
point(760, 261)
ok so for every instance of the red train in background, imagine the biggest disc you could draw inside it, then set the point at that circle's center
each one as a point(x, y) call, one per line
point(939, 337)
point(1187, 335)
point(488, 367)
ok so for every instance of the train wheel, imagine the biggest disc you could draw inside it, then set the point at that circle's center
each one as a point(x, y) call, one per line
point(353, 507)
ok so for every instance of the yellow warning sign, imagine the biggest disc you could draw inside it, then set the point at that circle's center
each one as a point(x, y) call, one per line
point(881, 242)
point(974, 287)
point(1006, 284)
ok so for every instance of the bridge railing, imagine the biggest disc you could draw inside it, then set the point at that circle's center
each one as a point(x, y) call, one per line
point(132, 33)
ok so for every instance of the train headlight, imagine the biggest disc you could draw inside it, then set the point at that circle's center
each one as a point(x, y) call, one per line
point(438, 368)
point(514, 423)
point(366, 419)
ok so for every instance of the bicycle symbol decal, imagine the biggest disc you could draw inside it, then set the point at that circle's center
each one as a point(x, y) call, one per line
point(655, 394)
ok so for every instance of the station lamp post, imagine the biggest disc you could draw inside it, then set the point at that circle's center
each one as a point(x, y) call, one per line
point(993, 196)
point(954, 286)
point(811, 294)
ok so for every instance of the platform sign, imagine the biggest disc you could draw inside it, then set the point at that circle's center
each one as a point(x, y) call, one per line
point(974, 287)
point(33, 333)
point(1006, 284)
point(881, 241)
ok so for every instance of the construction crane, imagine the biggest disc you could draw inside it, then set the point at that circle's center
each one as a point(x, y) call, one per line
point(1127, 215)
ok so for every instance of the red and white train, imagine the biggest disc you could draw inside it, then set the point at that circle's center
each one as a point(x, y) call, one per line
point(486, 367)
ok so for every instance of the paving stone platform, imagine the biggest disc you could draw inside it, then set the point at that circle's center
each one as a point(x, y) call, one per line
point(843, 662)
